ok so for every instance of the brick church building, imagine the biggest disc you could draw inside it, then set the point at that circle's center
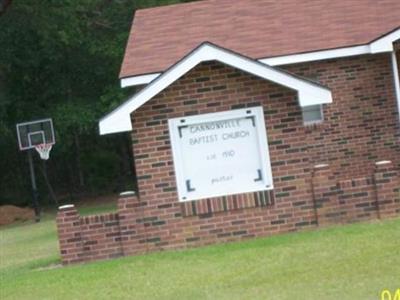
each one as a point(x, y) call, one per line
point(251, 118)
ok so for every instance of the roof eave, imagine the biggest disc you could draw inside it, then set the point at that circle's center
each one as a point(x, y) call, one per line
point(309, 93)
point(381, 44)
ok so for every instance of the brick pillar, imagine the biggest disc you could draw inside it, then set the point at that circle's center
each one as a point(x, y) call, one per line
point(387, 183)
point(69, 234)
point(130, 213)
point(325, 196)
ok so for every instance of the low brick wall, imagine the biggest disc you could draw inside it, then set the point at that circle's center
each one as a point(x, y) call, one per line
point(136, 229)
point(358, 199)
point(88, 238)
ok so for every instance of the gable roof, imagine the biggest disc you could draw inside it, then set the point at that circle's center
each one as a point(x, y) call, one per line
point(256, 28)
point(309, 93)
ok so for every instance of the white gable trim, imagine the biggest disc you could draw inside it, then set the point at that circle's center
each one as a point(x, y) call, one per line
point(380, 45)
point(315, 56)
point(309, 93)
point(385, 43)
point(138, 80)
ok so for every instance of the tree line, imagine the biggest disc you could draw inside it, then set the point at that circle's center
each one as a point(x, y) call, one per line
point(60, 60)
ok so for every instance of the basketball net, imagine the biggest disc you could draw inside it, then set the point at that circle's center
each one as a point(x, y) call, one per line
point(44, 150)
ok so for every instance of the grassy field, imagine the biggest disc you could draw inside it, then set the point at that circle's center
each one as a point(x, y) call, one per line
point(349, 262)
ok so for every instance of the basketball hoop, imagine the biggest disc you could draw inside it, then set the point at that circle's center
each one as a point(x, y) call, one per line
point(44, 150)
point(38, 134)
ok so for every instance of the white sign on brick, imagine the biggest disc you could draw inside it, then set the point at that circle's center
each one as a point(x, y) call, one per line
point(220, 154)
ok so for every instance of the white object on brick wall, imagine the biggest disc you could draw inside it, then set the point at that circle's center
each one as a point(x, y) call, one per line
point(221, 154)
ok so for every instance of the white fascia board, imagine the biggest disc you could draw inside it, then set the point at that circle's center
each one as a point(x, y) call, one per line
point(385, 43)
point(309, 93)
point(138, 80)
point(115, 122)
point(316, 55)
point(274, 61)
point(119, 119)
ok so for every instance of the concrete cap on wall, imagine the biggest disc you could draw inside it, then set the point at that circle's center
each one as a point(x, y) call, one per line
point(127, 194)
point(383, 162)
point(66, 206)
point(383, 166)
point(321, 166)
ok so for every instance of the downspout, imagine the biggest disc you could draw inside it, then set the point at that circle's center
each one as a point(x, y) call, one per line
point(396, 81)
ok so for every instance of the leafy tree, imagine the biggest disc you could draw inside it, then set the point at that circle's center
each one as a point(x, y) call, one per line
point(61, 59)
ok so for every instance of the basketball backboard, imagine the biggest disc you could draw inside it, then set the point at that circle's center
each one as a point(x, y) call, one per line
point(31, 134)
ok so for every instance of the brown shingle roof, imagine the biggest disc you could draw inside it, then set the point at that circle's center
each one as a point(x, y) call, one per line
point(256, 28)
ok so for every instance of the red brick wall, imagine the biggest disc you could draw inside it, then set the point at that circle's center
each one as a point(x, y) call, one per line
point(387, 186)
point(212, 87)
point(361, 124)
point(360, 128)
point(345, 201)
point(398, 57)
point(88, 238)
point(130, 232)
point(396, 46)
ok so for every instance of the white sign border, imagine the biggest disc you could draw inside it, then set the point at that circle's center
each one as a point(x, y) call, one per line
point(263, 148)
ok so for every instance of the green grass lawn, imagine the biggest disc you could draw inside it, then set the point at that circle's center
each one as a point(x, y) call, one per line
point(349, 262)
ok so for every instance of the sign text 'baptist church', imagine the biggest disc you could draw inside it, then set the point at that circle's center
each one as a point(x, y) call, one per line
point(220, 154)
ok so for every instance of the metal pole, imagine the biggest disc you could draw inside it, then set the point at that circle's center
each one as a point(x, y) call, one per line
point(35, 194)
